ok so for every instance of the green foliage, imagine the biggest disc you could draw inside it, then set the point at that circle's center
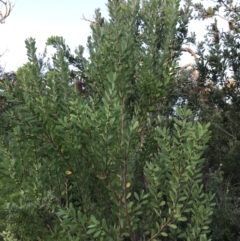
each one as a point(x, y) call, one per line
point(117, 161)
point(218, 65)
point(225, 223)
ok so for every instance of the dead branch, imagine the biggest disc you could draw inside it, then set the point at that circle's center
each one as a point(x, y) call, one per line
point(78, 86)
point(187, 65)
point(3, 53)
point(186, 49)
point(195, 75)
point(230, 22)
point(85, 19)
point(194, 72)
point(217, 15)
point(8, 9)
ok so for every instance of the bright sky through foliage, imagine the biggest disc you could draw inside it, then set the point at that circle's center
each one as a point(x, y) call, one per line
point(41, 19)
point(45, 18)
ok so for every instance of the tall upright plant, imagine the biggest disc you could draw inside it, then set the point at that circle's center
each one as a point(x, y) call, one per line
point(112, 159)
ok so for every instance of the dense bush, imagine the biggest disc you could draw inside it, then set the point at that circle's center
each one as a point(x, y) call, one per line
point(98, 148)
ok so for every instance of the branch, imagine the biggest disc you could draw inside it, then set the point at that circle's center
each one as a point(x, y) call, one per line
point(132, 234)
point(4, 51)
point(195, 73)
point(217, 15)
point(85, 19)
point(186, 49)
point(222, 129)
point(230, 22)
point(67, 195)
point(187, 65)
point(8, 9)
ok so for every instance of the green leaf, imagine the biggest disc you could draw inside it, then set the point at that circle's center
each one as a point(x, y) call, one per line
point(128, 195)
point(136, 196)
point(182, 219)
point(135, 125)
point(94, 220)
point(173, 226)
point(162, 203)
point(92, 230)
point(164, 234)
point(97, 234)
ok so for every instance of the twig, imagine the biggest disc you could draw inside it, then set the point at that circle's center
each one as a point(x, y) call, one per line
point(4, 51)
point(217, 15)
point(58, 217)
point(8, 9)
point(67, 196)
point(230, 22)
point(85, 19)
point(132, 234)
point(225, 131)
